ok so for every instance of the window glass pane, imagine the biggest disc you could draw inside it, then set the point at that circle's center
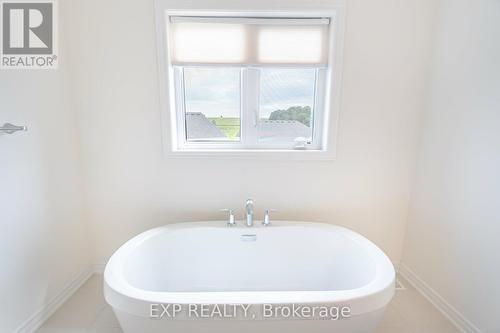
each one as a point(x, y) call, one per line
point(286, 105)
point(212, 104)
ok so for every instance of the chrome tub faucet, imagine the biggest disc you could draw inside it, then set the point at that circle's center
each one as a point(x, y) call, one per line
point(249, 210)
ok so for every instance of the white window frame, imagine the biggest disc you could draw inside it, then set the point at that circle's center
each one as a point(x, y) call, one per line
point(327, 99)
point(249, 113)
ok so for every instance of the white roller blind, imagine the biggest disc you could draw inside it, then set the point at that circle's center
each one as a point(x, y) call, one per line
point(249, 41)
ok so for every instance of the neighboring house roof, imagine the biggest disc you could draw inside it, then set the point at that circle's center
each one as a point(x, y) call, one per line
point(283, 129)
point(198, 127)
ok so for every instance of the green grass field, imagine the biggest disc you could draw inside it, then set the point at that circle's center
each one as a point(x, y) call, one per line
point(229, 126)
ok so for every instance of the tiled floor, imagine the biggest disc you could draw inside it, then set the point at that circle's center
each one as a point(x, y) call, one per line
point(86, 311)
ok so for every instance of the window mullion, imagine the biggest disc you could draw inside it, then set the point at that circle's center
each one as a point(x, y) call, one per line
point(319, 116)
point(180, 105)
point(250, 106)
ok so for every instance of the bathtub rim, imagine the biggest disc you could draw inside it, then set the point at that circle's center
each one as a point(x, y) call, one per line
point(374, 295)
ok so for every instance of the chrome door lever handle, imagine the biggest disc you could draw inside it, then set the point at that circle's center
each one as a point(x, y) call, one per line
point(9, 128)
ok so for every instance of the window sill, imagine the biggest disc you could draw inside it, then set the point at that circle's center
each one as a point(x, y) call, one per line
point(255, 154)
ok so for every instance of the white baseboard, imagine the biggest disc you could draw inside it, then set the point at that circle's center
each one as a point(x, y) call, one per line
point(450, 312)
point(38, 318)
point(396, 266)
point(98, 268)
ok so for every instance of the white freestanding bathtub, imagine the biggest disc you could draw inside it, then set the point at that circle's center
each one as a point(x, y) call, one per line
point(287, 277)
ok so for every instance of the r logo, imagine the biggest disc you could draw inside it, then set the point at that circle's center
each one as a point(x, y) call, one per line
point(27, 28)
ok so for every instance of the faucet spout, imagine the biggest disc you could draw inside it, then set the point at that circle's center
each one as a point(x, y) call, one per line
point(249, 210)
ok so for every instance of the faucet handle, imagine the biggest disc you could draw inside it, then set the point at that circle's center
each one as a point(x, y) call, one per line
point(267, 219)
point(231, 222)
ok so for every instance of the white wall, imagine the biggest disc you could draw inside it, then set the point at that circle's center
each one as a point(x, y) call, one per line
point(452, 240)
point(131, 187)
point(43, 243)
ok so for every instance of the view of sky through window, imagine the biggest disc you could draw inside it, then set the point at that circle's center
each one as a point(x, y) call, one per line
point(215, 92)
point(212, 98)
point(283, 88)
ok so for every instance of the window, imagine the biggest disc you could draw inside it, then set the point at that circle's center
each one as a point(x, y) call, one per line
point(246, 107)
point(212, 104)
point(286, 109)
point(248, 83)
